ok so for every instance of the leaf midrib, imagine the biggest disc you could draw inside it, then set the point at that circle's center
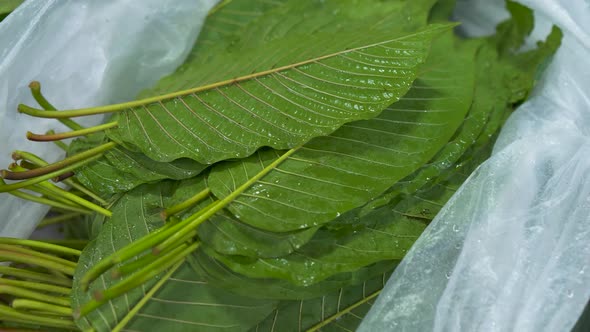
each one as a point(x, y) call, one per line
point(117, 107)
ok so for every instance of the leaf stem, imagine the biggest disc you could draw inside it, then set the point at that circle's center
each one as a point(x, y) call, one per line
point(45, 201)
point(40, 255)
point(30, 275)
point(36, 286)
point(11, 315)
point(39, 162)
point(29, 182)
point(186, 204)
point(41, 306)
point(177, 230)
point(58, 165)
point(148, 258)
point(146, 298)
point(29, 294)
point(142, 276)
point(59, 219)
point(70, 134)
point(59, 144)
point(35, 87)
point(66, 197)
point(41, 245)
point(122, 106)
point(9, 255)
point(335, 316)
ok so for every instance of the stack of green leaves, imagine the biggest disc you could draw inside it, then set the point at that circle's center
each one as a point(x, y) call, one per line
point(323, 137)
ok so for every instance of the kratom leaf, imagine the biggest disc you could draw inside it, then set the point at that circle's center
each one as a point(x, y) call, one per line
point(333, 174)
point(224, 22)
point(274, 289)
point(226, 234)
point(121, 170)
point(7, 6)
point(189, 302)
point(381, 235)
point(135, 214)
point(304, 97)
point(238, 26)
point(340, 310)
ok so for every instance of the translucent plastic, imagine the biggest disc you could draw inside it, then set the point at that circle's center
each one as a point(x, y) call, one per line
point(511, 251)
point(84, 53)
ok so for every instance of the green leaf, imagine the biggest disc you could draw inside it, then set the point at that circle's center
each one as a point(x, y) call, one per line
point(7, 6)
point(333, 174)
point(267, 288)
point(238, 26)
point(121, 170)
point(381, 235)
point(227, 235)
point(303, 97)
point(225, 21)
point(185, 302)
point(135, 214)
point(340, 310)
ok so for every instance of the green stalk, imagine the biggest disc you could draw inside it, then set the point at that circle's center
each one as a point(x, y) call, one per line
point(33, 253)
point(58, 165)
point(29, 182)
point(339, 314)
point(45, 201)
point(186, 204)
point(70, 243)
point(12, 256)
point(40, 163)
point(58, 219)
point(28, 294)
point(41, 245)
point(11, 315)
point(36, 286)
point(177, 230)
point(30, 275)
point(142, 276)
point(59, 144)
point(41, 306)
point(46, 105)
point(45, 189)
point(70, 134)
point(70, 197)
point(119, 327)
point(148, 258)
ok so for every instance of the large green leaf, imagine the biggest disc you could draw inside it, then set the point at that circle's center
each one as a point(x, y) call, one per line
point(227, 19)
point(333, 174)
point(254, 24)
point(275, 289)
point(134, 215)
point(340, 310)
point(185, 302)
point(238, 26)
point(304, 97)
point(121, 170)
point(383, 234)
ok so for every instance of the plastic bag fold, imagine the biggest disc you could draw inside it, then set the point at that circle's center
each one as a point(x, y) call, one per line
point(85, 53)
point(510, 251)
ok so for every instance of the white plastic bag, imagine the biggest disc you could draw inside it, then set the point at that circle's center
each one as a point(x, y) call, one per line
point(85, 53)
point(511, 250)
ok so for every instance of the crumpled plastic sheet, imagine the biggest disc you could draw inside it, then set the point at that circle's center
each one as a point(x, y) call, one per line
point(85, 53)
point(511, 250)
